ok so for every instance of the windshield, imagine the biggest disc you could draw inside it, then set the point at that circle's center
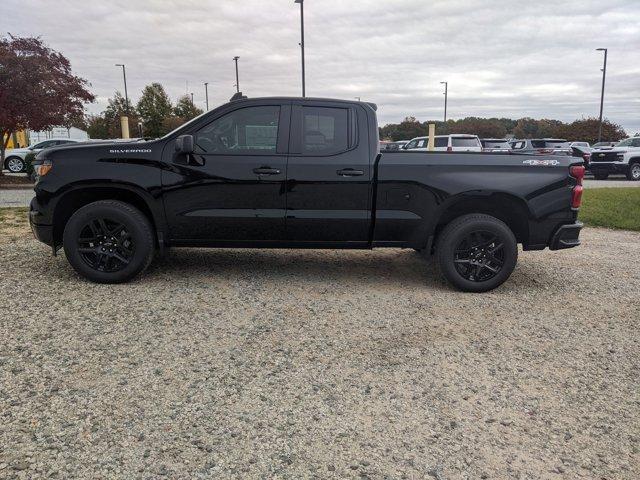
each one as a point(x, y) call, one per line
point(625, 143)
point(193, 120)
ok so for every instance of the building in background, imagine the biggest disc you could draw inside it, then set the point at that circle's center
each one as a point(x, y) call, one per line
point(58, 132)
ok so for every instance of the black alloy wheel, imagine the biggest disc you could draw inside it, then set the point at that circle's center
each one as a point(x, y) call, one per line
point(476, 252)
point(105, 245)
point(479, 256)
point(109, 241)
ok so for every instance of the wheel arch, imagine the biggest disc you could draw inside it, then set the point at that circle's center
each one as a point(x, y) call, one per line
point(510, 209)
point(78, 196)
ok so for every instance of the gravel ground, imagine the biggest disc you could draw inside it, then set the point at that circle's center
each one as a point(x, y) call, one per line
point(321, 364)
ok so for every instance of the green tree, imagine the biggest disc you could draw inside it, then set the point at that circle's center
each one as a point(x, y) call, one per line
point(153, 108)
point(586, 130)
point(185, 108)
point(98, 127)
point(116, 108)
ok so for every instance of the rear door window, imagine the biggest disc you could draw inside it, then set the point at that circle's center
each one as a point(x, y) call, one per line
point(441, 142)
point(326, 130)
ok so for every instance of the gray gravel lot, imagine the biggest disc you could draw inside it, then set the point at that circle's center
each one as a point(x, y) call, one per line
point(321, 364)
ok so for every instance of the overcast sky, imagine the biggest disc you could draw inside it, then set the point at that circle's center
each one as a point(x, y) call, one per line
point(501, 58)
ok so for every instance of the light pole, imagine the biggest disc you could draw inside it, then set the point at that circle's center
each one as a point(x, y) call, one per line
point(126, 96)
point(206, 94)
point(191, 98)
point(446, 85)
point(604, 74)
point(235, 59)
point(301, 2)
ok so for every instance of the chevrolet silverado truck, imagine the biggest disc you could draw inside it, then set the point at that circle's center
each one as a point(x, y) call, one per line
point(300, 173)
point(623, 157)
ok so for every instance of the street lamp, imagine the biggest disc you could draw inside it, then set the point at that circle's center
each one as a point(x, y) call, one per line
point(192, 98)
point(206, 94)
point(126, 96)
point(301, 2)
point(446, 85)
point(235, 59)
point(604, 74)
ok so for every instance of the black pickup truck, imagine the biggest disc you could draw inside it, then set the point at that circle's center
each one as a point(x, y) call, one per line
point(300, 173)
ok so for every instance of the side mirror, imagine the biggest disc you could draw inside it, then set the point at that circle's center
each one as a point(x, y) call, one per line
point(184, 144)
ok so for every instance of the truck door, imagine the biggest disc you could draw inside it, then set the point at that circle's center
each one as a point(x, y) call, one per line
point(328, 174)
point(232, 188)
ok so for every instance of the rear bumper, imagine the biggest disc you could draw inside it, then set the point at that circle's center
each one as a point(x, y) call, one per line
point(41, 231)
point(566, 236)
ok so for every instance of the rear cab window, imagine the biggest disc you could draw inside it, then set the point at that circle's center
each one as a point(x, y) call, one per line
point(464, 142)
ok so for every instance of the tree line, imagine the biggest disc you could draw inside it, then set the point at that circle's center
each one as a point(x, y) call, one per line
point(584, 129)
point(154, 111)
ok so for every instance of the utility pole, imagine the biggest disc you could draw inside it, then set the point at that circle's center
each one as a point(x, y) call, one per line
point(126, 95)
point(604, 75)
point(235, 59)
point(301, 2)
point(206, 94)
point(124, 119)
point(446, 85)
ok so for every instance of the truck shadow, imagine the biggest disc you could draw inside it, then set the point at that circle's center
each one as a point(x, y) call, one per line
point(396, 266)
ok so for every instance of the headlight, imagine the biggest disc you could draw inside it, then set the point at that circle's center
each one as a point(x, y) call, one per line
point(43, 168)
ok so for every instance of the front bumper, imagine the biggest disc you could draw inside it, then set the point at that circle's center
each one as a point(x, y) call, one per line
point(608, 167)
point(566, 236)
point(41, 231)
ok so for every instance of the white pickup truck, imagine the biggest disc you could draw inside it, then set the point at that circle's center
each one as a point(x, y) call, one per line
point(623, 157)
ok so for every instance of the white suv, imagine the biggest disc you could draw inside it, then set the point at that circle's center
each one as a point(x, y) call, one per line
point(447, 143)
point(623, 157)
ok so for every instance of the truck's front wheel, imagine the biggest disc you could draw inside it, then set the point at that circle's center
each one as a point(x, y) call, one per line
point(108, 241)
point(634, 172)
point(476, 252)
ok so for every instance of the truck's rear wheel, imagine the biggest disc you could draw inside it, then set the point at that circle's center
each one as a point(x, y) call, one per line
point(108, 241)
point(477, 252)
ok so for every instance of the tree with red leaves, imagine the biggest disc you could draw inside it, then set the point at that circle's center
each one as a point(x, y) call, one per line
point(37, 89)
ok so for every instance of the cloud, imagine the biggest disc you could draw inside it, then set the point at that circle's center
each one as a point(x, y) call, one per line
point(512, 59)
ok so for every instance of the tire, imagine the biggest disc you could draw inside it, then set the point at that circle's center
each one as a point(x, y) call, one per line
point(600, 176)
point(476, 252)
point(633, 173)
point(14, 164)
point(109, 241)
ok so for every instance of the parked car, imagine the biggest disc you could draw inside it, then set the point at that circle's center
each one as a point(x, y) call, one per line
point(495, 145)
point(623, 158)
point(299, 172)
point(542, 146)
point(15, 157)
point(447, 143)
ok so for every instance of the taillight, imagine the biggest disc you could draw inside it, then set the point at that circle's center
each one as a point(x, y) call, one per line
point(449, 149)
point(577, 172)
point(586, 157)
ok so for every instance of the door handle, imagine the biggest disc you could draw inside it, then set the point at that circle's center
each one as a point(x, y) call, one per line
point(350, 172)
point(266, 171)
